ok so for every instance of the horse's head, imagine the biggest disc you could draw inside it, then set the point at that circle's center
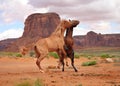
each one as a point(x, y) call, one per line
point(66, 24)
point(74, 23)
point(70, 23)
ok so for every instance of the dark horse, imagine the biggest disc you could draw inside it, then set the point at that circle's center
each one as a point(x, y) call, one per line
point(69, 43)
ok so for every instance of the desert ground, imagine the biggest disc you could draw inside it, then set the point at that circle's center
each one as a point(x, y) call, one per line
point(14, 71)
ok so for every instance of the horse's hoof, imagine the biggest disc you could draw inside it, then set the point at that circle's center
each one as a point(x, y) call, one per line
point(76, 70)
point(67, 65)
point(58, 67)
point(41, 71)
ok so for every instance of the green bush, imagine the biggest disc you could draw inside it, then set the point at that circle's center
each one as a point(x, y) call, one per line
point(24, 84)
point(80, 85)
point(7, 54)
point(27, 83)
point(18, 55)
point(32, 54)
point(76, 55)
point(105, 56)
point(10, 54)
point(38, 83)
point(54, 54)
point(89, 63)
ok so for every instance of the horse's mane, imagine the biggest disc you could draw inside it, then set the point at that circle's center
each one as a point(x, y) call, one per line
point(58, 29)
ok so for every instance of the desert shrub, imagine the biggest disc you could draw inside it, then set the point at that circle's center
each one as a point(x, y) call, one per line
point(89, 56)
point(89, 63)
point(24, 84)
point(80, 85)
point(7, 54)
point(105, 56)
point(76, 55)
point(32, 54)
point(38, 83)
point(27, 83)
point(54, 54)
point(10, 54)
point(18, 55)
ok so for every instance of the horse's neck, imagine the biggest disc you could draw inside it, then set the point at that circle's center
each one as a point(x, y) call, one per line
point(68, 38)
point(69, 33)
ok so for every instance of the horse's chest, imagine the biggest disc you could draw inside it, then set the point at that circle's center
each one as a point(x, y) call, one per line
point(69, 41)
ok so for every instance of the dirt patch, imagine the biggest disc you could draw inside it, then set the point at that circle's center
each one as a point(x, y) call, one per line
point(17, 70)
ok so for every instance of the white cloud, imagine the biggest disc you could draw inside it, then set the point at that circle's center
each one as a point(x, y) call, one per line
point(101, 27)
point(79, 31)
point(16, 10)
point(11, 33)
point(85, 10)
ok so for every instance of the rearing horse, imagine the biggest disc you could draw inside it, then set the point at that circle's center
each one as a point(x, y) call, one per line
point(69, 43)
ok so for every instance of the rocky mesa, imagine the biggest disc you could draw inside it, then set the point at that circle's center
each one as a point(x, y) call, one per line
point(92, 39)
point(37, 26)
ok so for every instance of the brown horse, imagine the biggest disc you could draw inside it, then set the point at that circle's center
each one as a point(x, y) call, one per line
point(68, 47)
point(55, 42)
point(69, 43)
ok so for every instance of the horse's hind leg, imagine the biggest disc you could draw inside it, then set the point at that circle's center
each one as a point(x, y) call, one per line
point(38, 63)
point(72, 61)
point(62, 61)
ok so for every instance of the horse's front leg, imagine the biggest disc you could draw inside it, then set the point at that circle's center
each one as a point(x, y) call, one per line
point(63, 64)
point(61, 59)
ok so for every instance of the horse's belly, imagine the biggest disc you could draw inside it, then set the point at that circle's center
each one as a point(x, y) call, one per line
point(54, 44)
point(52, 47)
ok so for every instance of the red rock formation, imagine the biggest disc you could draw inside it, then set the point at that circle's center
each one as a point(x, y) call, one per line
point(36, 26)
point(93, 39)
point(41, 25)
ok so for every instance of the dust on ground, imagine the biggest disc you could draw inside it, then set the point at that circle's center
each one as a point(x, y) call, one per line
point(17, 70)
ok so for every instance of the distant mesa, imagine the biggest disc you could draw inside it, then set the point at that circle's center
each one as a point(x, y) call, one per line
point(93, 39)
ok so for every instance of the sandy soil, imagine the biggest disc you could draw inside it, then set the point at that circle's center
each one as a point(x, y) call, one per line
point(18, 70)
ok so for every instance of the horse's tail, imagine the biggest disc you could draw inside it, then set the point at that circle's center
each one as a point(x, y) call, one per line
point(36, 51)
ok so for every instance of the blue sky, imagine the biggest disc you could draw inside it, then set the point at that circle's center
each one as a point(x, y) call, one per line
point(101, 16)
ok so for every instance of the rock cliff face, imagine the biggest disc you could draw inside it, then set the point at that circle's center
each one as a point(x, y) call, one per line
point(5, 43)
point(93, 39)
point(36, 26)
point(41, 25)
